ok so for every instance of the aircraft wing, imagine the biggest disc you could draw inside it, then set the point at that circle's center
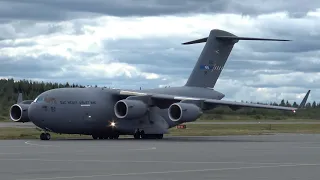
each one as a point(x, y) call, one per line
point(237, 105)
point(165, 100)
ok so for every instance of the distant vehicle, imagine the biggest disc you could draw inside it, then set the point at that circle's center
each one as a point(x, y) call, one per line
point(107, 113)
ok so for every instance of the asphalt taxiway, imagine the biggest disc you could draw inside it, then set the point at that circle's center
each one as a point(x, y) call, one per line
point(281, 156)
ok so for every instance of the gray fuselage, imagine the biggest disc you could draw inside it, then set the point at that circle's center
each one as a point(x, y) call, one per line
point(90, 110)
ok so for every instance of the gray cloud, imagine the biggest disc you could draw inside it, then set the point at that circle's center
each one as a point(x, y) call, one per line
point(66, 9)
point(245, 71)
point(29, 67)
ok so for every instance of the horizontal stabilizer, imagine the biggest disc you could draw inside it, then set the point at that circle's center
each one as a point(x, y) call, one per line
point(196, 41)
point(234, 38)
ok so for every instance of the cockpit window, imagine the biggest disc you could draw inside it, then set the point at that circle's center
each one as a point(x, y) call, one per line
point(39, 99)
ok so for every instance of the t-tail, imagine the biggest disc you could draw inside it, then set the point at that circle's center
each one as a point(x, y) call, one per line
point(213, 57)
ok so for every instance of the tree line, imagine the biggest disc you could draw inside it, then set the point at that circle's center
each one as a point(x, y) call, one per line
point(9, 89)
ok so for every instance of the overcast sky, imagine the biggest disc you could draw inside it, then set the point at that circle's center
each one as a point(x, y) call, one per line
point(133, 43)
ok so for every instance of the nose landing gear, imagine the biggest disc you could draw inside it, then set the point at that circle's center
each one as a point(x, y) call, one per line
point(45, 136)
point(140, 134)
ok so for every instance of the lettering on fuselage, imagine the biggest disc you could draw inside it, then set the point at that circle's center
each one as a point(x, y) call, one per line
point(77, 102)
point(50, 100)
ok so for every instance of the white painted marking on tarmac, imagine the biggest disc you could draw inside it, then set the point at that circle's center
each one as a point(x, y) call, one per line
point(170, 162)
point(9, 153)
point(40, 145)
point(73, 152)
point(315, 147)
point(16, 146)
point(43, 145)
point(169, 172)
point(152, 148)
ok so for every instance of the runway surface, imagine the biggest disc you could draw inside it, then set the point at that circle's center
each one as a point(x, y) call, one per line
point(282, 156)
point(31, 125)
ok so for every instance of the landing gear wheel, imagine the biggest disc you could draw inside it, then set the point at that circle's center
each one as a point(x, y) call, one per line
point(116, 136)
point(143, 135)
point(137, 134)
point(94, 136)
point(45, 136)
point(42, 136)
point(48, 136)
point(159, 136)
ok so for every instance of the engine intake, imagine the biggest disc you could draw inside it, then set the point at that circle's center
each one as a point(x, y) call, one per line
point(130, 109)
point(184, 112)
point(19, 113)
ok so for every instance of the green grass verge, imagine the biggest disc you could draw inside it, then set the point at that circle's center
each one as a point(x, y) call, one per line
point(256, 120)
point(226, 117)
point(244, 129)
point(191, 130)
point(31, 133)
point(4, 119)
point(221, 118)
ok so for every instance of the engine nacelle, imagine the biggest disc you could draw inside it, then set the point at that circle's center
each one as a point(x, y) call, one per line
point(130, 109)
point(19, 113)
point(184, 112)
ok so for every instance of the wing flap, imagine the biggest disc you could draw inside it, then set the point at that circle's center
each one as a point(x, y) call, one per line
point(238, 105)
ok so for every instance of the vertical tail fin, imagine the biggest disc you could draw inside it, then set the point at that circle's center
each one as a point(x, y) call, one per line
point(213, 57)
point(304, 100)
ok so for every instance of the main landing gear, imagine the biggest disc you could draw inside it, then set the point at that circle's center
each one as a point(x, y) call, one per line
point(106, 136)
point(140, 134)
point(45, 136)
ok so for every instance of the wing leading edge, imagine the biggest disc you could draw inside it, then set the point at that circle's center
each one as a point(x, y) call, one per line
point(214, 102)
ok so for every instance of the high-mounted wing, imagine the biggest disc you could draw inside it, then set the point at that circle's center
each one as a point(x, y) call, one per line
point(207, 103)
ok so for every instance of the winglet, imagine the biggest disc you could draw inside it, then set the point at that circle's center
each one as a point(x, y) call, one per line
point(304, 101)
point(20, 98)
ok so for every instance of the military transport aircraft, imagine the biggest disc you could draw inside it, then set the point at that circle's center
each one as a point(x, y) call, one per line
point(107, 113)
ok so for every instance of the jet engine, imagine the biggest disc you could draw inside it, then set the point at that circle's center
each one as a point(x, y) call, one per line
point(130, 109)
point(19, 112)
point(184, 112)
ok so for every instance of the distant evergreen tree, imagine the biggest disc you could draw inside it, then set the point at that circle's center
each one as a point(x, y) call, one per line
point(308, 105)
point(9, 90)
point(314, 104)
point(288, 104)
